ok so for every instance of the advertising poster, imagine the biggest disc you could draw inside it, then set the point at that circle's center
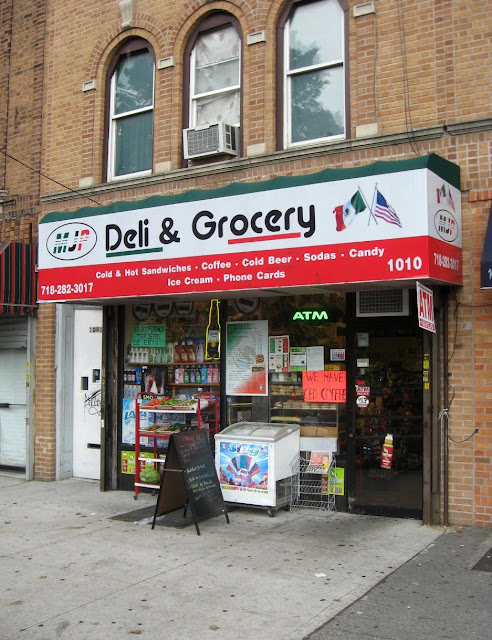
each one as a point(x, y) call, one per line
point(278, 359)
point(247, 358)
point(128, 422)
point(128, 461)
point(334, 482)
point(244, 468)
point(298, 358)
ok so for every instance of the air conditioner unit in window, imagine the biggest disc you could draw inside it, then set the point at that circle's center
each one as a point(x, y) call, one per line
point(391, 302)
point(210, 140)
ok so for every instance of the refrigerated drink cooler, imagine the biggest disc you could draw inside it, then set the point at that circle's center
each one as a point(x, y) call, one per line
point(254, 462)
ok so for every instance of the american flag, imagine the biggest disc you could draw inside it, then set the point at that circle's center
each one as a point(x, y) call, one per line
point(450, 200)
point(385, 211)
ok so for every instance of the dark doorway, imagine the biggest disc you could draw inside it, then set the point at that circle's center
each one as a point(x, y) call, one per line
point(387, 436)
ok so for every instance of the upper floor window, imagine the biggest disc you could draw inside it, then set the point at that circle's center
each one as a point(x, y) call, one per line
point(215, 77)
point(131, 111)
point(314, 72)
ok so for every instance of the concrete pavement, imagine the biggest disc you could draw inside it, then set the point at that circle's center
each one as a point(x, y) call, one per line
point(70, 570)
point(444, 592)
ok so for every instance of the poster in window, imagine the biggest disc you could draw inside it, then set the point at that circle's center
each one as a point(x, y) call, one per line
point(247, 358)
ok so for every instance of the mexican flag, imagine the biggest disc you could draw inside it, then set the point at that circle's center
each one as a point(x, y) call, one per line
point(345, 214)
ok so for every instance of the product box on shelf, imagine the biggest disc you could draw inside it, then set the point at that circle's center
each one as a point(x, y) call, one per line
point(319, 432)
point(318, 439)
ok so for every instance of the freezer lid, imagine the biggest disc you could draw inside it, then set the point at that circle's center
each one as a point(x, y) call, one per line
point(264, 431)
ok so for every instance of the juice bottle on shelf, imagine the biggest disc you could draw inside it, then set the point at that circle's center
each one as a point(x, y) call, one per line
point(387, 452)
point(191, 351)
point(204, 374)
point(170, 352)
point(200, 351)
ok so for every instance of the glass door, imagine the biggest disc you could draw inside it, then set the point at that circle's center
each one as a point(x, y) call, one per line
point(388, 420)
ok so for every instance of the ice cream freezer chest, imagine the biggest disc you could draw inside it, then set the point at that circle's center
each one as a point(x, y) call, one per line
point(254, 462)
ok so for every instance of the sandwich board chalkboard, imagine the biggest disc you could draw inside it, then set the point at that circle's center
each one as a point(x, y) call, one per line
point(189, 478)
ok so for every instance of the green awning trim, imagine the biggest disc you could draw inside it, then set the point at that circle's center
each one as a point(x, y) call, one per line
point(445, 169)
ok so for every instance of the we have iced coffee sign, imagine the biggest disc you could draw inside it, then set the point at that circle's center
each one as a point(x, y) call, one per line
point(382, 222)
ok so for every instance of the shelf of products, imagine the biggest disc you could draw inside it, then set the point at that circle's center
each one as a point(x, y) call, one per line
point(169, 378)
point(313, 482)
point(201, 412)
point(288, 404)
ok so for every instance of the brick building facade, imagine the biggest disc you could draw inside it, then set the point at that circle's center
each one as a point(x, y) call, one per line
point(416, 83)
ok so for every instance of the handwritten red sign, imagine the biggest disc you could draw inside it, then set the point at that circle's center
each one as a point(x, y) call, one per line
point(324, 386)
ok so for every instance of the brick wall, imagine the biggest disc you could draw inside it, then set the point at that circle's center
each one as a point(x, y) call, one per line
point(22, 33)
point(413, 66)
point(45, 395)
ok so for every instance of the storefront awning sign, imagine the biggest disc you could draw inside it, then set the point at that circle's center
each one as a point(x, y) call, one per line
point(385, 222)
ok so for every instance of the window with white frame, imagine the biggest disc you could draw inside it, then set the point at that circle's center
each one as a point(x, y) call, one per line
point(131, 112)
point(314, 73)
point(215, 77)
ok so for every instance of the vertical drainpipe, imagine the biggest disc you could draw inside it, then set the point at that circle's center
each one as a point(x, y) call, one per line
point(444, 414)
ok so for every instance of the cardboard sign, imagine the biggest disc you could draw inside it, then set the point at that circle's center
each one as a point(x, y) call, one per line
point(149, 335)
point(324, 386)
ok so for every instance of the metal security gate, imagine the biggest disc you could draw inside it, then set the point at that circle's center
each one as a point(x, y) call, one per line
point(13, 392)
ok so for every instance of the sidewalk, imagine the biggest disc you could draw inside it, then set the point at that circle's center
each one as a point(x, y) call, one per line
point(440, 593)
point(69, 570)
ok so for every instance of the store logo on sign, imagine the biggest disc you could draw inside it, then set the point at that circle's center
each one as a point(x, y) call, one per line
point(446, 225)
point(71, 241)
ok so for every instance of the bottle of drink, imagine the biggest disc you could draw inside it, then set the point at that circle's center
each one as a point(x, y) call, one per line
point(387, 452)
point(200, 352)
point(212, 336)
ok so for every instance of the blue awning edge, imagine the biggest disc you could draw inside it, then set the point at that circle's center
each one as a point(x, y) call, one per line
point(486, 261)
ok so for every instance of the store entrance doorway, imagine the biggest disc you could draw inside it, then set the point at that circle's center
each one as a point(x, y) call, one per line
point(388, 425)
point(87, 358)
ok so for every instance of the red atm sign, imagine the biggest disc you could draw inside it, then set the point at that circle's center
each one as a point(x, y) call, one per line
point(425, 300)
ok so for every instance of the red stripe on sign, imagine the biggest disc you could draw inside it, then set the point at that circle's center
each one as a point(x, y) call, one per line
point(282, 236)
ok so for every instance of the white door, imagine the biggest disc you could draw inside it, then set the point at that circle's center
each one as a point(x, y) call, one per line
point(13, 393)
point(87, 393)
